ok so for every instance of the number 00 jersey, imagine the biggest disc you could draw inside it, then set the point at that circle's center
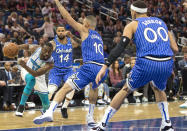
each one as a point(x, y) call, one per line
point(151, 38)
point(62, 55)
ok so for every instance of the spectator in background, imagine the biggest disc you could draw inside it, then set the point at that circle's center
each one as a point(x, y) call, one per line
point(183, 68)
point(38, 17)
point(31, 6)
point(46, 9)
point(45, 38)
point(82, 17)
point(7, 103)
point(115, 75)
point(105, 49)
point(48, 28)
point(41, 41)
point(3, 89)
point(16, 38)
point(2, 36)
point(21, 6)
point(16, 76)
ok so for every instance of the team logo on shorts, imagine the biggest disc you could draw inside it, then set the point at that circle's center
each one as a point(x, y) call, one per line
point(74, 76)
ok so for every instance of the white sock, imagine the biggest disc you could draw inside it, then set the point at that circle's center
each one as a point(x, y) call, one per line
point(66, 103)
point(110, 111)
point(91, 109)
point(163, 106)
point(53, 106)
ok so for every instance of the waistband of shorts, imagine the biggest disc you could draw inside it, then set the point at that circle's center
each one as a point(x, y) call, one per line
point(158, 58)
point(64, 67)
point(93, 62)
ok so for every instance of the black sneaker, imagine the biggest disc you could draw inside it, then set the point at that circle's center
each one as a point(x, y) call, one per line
point(64, 112)
point(20, 110)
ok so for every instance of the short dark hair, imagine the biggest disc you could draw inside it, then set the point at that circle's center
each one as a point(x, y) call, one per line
point(139, 4)
point(60, 26)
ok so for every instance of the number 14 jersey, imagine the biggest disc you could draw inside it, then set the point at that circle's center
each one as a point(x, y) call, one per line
point(62, 55)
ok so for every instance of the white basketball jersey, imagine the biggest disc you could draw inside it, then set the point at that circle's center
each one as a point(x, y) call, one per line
point(35, 62)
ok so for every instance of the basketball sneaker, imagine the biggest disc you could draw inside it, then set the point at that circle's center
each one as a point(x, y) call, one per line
point(100, 127)
point(90, 121)
point(46, 117)
point(20, 110)
point(184, 105)
point(166, 126)
point(64, 112)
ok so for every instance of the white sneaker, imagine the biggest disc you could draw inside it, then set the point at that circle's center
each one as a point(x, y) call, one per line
point(137, 100)
point(90, 121)
point(100, 127)
point(85, 102)
point(46, 117)
point(126, 101)
point(107, 99)
point(137, 93)
point(100, 102)
point(184, 105)
point(20, 114)
point(166, 126)
point(144, 99)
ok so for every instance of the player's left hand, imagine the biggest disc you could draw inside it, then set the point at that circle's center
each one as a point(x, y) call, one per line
point(68, 33)
point(21, 62)
point(101, 74)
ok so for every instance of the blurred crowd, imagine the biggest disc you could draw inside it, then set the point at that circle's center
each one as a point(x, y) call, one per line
point(35, 21)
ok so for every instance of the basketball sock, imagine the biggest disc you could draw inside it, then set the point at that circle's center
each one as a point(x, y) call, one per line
point(68, 98)
point(30, 82)
point(53, 106)
point(163, 106)
point(106, 89)
point(66, 103)
point(45, 101)
point(87, 91)
point(91, 109)
point(110, 111)
point(100, 90)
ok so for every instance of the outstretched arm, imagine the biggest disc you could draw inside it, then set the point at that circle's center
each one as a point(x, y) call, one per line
point(77, 26)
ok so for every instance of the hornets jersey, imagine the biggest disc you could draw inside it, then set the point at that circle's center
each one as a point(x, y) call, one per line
point(35, 62)
point(92, 48)
point(62, 55)
point(151, 38)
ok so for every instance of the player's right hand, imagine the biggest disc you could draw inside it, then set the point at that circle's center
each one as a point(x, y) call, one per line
point(101, 74)
point(21, 62)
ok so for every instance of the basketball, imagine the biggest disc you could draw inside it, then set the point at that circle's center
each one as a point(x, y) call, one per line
point(10, 50)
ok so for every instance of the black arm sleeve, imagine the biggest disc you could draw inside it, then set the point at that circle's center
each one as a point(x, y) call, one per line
point(116, 52)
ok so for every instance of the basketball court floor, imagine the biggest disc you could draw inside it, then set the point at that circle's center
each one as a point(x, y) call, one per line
point(132, 117)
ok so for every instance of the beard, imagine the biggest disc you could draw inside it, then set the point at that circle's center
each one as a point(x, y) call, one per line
point(61, 37)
